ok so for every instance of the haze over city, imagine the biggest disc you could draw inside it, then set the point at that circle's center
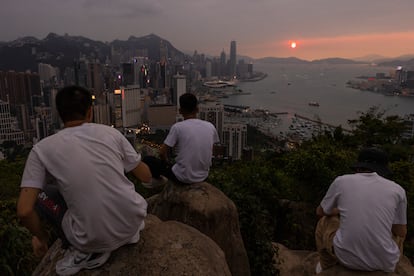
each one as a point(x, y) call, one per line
point(320, 28)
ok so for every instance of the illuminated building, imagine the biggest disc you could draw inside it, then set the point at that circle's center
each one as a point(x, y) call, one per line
point(127, 107)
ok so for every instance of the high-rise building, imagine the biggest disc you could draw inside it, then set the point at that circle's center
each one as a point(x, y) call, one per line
point(81, 73)
point(222, 68)
point(95, 80)
point(125, 106)
point(140, 69)
point(42, 123)
point(48, 74)
point(8, 126)
point(127, 77)
point(235, 139)
point(408, 132)
point(232, 61)
point(209, 69)
point(22, 92)
point(178, 89)
point(212, 112)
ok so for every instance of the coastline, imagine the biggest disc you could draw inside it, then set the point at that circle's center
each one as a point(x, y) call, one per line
point(258, 76)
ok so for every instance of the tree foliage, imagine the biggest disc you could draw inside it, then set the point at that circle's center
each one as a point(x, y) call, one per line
point(275, 194)
point(374, 128)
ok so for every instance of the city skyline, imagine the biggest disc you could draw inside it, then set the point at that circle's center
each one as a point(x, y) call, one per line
point(320, 28)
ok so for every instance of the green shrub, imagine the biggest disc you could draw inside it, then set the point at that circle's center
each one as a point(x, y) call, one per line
point(16, 257)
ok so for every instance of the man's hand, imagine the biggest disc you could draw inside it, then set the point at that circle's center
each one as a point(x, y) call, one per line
point(320, 212)
point(39, 247)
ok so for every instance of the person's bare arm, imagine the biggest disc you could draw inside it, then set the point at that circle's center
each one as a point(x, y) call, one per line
point(399, 230)
point(321, 213)
point(142, 172)
point(164, 149)
point(30, 219)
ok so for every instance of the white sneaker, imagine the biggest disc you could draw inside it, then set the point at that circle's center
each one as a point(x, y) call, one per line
point(155, 182)
point(74, 260)
point(318, 268)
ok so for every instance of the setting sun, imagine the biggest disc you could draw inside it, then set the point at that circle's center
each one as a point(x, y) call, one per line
point(293, 45)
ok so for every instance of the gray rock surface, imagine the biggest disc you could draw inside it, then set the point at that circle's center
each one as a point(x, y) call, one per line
point(207, 209)
point(165, 248)
point(303, 263)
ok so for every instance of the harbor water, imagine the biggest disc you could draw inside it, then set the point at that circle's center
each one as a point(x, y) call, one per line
point(290, 88)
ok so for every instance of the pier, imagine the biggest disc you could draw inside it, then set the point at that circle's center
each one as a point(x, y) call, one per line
point(319, 122)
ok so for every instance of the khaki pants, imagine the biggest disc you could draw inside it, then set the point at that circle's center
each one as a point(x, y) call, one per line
point(324, 234)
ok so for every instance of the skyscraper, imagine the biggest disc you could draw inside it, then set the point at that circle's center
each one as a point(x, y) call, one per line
point(232, 61)
point(235, 139)
point(214, 113)
point(178, 89)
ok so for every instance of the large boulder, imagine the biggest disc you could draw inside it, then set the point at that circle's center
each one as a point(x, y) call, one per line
point(303, 263)
point(207, 209)
point(165, 248)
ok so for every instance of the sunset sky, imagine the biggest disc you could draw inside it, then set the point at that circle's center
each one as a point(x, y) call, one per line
point(320, 28)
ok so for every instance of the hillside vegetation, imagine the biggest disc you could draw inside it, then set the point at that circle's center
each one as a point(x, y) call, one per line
point(276, 193)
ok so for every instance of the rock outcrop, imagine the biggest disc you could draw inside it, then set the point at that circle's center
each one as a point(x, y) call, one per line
point(207, 209)
point(303, 263)
point(165, 248)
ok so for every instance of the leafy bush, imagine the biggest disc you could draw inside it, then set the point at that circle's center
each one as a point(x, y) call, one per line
point(16, 256)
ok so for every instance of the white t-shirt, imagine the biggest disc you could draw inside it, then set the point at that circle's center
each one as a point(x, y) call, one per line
point(89, 164)
point(368, 206)
point(194, 140)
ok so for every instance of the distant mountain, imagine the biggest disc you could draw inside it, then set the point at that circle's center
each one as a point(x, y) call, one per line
point(371, 58)
point(152, 43)
point(61, 51)
point(386, 61)
point(334, 61)
point(289, 60)
point(293, 60)
point(407, 64)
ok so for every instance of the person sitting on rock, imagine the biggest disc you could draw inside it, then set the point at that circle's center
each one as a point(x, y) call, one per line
point(90, 200)
point(363, 218)
point(193, 140)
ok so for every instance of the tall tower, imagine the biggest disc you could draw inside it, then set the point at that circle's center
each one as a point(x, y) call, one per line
point(163, 65)
point(232, 61)
point(223, 65)
point(179, 88)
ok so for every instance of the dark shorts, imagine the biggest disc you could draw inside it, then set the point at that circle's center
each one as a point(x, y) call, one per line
point(51, 206)
point(160, 167)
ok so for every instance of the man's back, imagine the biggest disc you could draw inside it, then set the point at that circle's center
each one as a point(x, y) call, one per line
point(88, 163)
point(368, 205)
point(194, 140)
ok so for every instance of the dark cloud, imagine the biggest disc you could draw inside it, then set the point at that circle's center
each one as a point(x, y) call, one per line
point(206, 25)
point(123, 8)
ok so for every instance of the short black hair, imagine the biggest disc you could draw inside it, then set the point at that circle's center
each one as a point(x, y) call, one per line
point(188, 103)
point(73, 102)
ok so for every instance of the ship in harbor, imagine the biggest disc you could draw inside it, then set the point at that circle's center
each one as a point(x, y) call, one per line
point(313, 103)
point(223, 89)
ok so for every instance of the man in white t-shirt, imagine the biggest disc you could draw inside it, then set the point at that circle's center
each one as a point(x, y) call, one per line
point(193, 140)
point(363, 218)
point(89, 199)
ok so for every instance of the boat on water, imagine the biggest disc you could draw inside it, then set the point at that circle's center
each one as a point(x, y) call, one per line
point(313, 103)
point(220, 84)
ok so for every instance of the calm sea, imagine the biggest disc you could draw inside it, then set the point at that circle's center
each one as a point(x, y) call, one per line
point(290, 88)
